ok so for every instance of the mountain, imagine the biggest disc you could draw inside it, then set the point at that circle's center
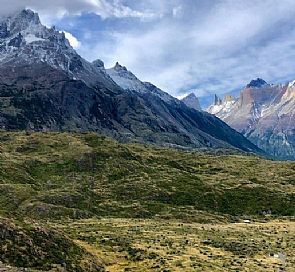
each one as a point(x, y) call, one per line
point(192, 101)
point(264, 113)
point(46, 86)
point(129, 82)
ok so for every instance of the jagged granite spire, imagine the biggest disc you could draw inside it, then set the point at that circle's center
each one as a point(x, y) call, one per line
point(217, 100)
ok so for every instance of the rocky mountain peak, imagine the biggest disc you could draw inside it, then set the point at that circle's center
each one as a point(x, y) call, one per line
point(121, 73)
point(24, 40)
point(24, 28)
point(129, 82)
point(256, 83)
point(21, 21)
point(192, 101)
point(27, 15)
point(191, 96)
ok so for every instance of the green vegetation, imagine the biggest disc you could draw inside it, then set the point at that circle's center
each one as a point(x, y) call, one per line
point(25, 245)
point(73, 192)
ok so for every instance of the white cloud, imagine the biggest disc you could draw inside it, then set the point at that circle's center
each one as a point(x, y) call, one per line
point(74, 42)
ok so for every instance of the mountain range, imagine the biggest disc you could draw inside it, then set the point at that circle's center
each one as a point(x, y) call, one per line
point(264, 113)
point(46, 86)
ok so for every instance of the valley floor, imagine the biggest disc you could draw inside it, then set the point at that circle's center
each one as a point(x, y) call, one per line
point(161, 245)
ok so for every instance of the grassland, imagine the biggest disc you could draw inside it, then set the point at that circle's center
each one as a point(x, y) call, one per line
point(161, 245)
point(83, 202)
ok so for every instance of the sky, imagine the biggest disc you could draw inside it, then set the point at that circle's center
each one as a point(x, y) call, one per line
point(182, 46)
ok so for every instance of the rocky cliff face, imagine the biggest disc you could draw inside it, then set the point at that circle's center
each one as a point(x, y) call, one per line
point(264, 113)
point(46, 85)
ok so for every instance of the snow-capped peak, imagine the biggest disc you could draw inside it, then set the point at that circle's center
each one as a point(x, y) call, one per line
point(24, 40)
point(123, 77)
point(25, 27)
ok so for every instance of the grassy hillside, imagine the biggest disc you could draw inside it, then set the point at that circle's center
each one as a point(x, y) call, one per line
point(78, 176)
point(57, 180)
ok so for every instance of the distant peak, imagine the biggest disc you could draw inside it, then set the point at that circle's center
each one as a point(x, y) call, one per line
point(257, 83)
point(191, 95)
point(119, 67)
point(192, 101)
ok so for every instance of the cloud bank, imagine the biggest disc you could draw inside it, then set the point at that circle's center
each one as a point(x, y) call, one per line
point(103, 8)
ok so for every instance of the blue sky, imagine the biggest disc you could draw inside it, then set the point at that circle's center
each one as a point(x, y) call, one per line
point(204, 46)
